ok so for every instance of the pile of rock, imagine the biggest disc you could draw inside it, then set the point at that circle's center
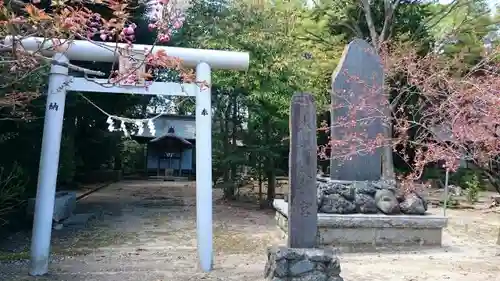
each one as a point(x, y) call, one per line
point(367, 197)
point(293, 264)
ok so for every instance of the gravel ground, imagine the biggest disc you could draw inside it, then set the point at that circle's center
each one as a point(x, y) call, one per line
point(147, 231)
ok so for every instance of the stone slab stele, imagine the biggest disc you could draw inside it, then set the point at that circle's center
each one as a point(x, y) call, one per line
point(357, 101)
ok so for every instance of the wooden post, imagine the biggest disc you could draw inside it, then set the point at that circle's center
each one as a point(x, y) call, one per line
point(146, 157)
point(170, 166)
point(158, 165)
point(193, 162)
point(302, 204)
point(180, 162)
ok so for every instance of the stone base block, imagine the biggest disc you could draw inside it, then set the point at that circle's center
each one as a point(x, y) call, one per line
point(64, 205)
point(79, 219)
point(373, 230)
point(291, 264)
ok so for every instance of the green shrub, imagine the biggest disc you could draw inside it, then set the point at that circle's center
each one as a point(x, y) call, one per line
point(469, 179)
point(473, 187)
point(132, 154)
point(12, 190)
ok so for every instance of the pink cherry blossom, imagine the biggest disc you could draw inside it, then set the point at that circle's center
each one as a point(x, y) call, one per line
point(455, 115)
point(177, 24)
point(128, 30)
point(163, 38)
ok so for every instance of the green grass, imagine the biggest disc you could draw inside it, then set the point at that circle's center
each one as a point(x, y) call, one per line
point(83, 243)
point(8, 256)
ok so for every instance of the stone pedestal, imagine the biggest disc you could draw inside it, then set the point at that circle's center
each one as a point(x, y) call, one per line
point(64, 205)
point(380, 230)
point(296, 264)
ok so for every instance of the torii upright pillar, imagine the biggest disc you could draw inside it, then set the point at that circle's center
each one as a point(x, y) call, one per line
point(204, 166)
point(49, 164)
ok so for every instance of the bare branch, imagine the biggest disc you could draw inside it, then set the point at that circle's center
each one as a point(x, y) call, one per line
point(365, 4)
point(389, 10)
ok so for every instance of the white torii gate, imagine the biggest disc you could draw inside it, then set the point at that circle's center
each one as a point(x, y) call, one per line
point(59, 83)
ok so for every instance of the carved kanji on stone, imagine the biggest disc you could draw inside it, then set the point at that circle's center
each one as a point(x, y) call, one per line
point(302, 203)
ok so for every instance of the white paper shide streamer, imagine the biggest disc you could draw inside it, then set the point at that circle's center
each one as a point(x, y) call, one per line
point(140, 127)
point(137, 123)
point(151, 127)
point(123, 128)
point(111, 124)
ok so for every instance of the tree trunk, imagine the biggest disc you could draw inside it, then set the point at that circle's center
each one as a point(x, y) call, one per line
point(234, 123)
point(493, 178)
point(269, 165)
point(387, 159)
point(225, 146)
point(259, 171)
point(228, 184)
point(118, 162)
point(271, 186)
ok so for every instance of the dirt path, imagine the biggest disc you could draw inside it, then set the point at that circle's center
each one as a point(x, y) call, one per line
point(147, 232)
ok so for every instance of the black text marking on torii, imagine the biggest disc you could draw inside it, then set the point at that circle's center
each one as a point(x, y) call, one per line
point(53, 106)
point(204, 112)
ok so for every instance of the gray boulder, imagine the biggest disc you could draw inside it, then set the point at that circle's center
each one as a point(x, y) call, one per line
point(413, 205)
point(386, 201)
point(336, 204)
point(384, 184)
point(400, 195)
point(346, 191)
point(364, 187)
point(321, 188)
point(422, 197)
point(365, 204)
point(300, 267)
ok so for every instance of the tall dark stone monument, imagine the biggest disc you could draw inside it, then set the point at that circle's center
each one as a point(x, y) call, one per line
point(357, 106)
point(302, 203)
